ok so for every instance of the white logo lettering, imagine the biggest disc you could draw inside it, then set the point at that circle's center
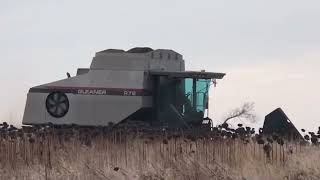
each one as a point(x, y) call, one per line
point(129, 93)
point(92, 91)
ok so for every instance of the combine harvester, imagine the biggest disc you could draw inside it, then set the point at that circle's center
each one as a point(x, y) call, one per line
point(139, 85)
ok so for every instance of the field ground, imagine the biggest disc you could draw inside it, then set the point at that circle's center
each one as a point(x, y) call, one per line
point(116, 156)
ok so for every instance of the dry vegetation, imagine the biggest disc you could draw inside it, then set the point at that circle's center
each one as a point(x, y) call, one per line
point(102, 153)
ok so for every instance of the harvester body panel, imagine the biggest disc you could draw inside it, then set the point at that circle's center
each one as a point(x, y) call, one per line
point(118, 85)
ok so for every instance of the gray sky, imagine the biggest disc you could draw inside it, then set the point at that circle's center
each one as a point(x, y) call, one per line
point(270, 49)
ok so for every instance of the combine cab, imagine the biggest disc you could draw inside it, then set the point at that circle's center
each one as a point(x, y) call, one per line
point(141, 84)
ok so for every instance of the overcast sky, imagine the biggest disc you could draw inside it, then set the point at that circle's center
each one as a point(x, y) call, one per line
point(270, 49)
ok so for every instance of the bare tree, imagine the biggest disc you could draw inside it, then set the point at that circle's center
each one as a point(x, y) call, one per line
point(246, 111)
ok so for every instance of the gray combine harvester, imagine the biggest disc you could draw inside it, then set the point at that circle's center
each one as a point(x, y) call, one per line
point(141, 84)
